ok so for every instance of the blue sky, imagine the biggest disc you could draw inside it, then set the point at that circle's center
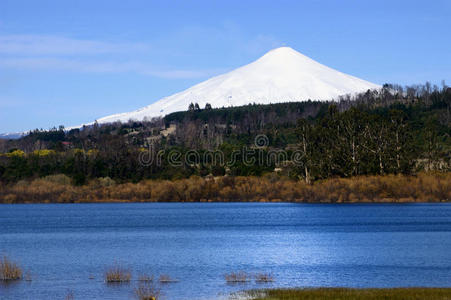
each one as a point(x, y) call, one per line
point(70, 62)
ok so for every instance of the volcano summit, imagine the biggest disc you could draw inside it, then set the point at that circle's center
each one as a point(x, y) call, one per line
point(281, 75)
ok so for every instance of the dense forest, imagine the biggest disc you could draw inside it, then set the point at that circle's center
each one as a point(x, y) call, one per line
point(396, 130)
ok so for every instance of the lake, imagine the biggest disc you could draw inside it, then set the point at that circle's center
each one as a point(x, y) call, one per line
point(305, 245)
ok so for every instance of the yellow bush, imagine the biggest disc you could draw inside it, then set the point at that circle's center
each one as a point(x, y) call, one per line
point(17, 153)
point(44, 152)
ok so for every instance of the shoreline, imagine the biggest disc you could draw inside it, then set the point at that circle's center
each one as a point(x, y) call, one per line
point(235, 202)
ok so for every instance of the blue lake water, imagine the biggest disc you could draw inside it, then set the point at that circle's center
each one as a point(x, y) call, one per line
point(305, 245)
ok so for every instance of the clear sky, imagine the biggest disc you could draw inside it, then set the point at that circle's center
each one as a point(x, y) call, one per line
point(70, 62)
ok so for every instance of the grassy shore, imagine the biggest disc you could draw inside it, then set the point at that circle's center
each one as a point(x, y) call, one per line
point(423, 187)
point(351, 294)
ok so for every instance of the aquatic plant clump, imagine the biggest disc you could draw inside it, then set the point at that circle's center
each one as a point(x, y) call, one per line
point(9, 270)
point(117, 274)
point(147, 290)
point(237, 277)
point(264, 278)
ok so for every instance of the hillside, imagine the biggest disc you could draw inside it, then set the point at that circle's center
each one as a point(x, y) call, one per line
point(375, 134)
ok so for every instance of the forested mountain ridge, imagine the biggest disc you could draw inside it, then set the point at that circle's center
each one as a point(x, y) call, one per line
point(394, 130)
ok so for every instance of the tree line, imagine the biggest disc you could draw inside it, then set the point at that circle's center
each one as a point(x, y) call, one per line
point(391, 131)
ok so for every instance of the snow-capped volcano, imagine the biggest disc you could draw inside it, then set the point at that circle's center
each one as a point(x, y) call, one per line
point(281, 75)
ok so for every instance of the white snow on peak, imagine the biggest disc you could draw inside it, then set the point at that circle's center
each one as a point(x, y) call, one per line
point(281, 75)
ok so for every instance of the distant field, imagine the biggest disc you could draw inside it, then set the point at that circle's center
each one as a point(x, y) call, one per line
point(352, 294)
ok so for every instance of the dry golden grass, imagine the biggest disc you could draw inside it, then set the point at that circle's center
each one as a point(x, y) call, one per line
point(117, 274)
point(423, 187)
point(9, 270)
point(147, 290)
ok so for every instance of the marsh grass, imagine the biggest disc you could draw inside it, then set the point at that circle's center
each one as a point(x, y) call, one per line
point(118, 274)
point(264, 278)
point(147, 290)
point(9, 270)
point(237, 277)
point(350, 294)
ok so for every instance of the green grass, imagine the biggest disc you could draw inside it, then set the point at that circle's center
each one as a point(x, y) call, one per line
point(351, 294)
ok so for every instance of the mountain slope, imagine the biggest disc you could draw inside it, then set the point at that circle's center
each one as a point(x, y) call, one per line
point(281, 75)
